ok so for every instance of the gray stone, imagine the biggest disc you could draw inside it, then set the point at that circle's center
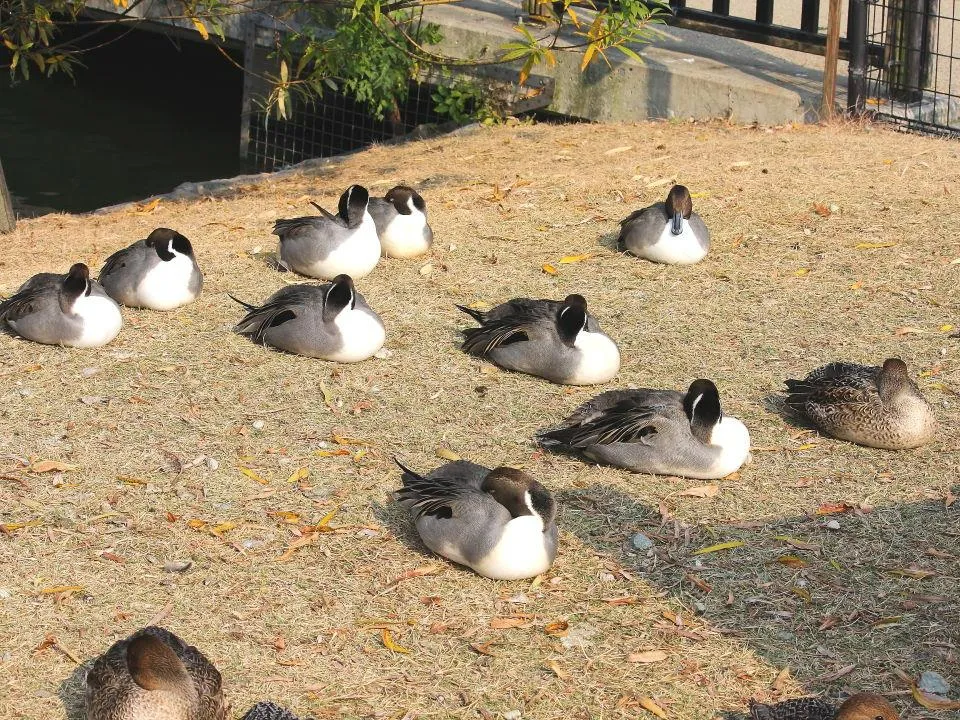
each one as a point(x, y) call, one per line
point(933, 683)
point(641, 542)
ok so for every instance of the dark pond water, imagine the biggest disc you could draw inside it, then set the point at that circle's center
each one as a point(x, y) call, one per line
point(146, 113)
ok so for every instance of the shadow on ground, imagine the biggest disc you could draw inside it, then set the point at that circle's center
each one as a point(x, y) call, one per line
point(843, 599)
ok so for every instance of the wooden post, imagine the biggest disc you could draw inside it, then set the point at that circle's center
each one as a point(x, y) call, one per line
point(830, 61)
point(8, 220)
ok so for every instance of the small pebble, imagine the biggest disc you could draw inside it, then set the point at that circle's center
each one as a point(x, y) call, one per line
point(4, 593)
point(212, 464)
point(251, 544)
point(641, 542)
point(383, 354)
point(89, 372)
point(833, 525)
point(933, 683)
point(258, 425)
point(512, 715)
point(177, 566)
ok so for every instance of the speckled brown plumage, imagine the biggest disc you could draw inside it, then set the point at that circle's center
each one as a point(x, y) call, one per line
point(874, 406)
point(154, 675)
point(862, 706)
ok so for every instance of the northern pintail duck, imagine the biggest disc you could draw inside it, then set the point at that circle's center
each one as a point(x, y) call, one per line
point(862, 706)
point(661, 432)
point(330, 322)
point(558, 341)
point(500, 522)
point(874, 406)
point(401, 220)
point(266, 710)
point(70, 310)
point(327, 245)
point(154, 675)
point(667, 232)
point(159, 273)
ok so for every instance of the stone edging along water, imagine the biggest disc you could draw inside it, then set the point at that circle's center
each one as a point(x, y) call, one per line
point(314, 166)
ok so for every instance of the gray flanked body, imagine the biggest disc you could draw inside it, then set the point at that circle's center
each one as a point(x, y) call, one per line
point(159, 273)
point(330, 322)
point(154, 675)
point(874, 406)
point(558, 341)
point(268, 711)
point(328, 245)
point(70, 310)
point(660, 432)
point(401, 220)
point(501, 523)
point(667, 232)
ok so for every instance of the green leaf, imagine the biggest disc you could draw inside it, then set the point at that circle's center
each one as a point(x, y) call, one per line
point(630, 53)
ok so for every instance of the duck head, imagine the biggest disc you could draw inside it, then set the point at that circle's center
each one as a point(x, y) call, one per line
point(679, 207)
point(167, 242)
point(867, 706)
point(572, 318)
point(520, 494)
point(405, 199)
point(340, 296)
point(77, 281)
point(353, 205)
point(702, 406)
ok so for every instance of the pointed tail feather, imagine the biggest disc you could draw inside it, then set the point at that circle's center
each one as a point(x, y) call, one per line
point(475, 314)
point(247, 305)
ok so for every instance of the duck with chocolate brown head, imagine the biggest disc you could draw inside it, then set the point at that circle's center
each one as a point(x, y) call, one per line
point(667, 232)
point(154, 675)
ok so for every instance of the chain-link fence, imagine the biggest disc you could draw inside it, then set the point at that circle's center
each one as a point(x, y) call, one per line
point(917, 79)
point(333, 124)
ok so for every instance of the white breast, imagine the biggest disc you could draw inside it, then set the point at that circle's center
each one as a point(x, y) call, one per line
point(167, 284)
point(356, 256)
point(733, 439)
point(599, 359)
point(405, 235)
point(682, 249)
point(361, 335)
point(520, 553)
point(101, 320)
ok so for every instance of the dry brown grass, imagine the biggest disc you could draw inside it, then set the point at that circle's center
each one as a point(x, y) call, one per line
point(783, 290)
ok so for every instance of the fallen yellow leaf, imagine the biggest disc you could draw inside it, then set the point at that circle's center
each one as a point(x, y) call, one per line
point(148, 208)
point(343, 440)
point(57, 589)
point(557, 628)
point(10, 527)
point(567, 259)
point(874, 245)
point(931, 703)
point(286, 516)
point(946, 328)
point(720, 546)
point(557, 670)
point(253, 475)
point(389, 644)
point(447, 454)
point(801, 272)
point(549, 269)
point(298, 475)
point(650, 706)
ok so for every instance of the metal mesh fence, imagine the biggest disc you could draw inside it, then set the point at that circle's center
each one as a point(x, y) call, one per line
point(333, 124)
point(917, 81)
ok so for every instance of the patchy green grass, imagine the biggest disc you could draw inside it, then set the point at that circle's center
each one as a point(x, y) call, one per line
point(829, 243)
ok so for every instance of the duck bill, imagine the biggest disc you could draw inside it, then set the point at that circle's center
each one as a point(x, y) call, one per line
point(676, 226)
